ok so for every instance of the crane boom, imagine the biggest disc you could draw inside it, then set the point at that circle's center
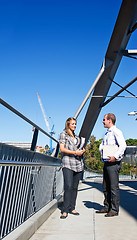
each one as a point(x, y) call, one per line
point(44, 115)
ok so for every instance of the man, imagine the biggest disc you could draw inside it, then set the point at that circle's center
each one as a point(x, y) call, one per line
point(112, 165)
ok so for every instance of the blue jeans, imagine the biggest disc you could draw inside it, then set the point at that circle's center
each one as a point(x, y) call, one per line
point(71, 181)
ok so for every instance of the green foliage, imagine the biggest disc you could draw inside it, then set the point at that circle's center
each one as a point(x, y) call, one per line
point(93, 160)
point(47, 147)
point(131, 142)
point(126, 169)
point(59, 155)
point(92, 155)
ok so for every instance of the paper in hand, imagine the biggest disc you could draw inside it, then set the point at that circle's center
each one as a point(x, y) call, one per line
point(109, 150)
point(82, 142)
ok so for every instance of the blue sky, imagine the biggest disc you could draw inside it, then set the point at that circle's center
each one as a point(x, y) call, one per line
point(56, 48)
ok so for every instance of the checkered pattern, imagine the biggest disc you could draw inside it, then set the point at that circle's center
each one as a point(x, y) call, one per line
point(71, 161)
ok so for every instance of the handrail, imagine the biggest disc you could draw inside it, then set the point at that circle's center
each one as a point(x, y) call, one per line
point(5, 104)
point(28, 181)
point(28, 164)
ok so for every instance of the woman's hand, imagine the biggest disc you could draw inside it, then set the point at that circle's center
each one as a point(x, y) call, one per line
point(79, 152)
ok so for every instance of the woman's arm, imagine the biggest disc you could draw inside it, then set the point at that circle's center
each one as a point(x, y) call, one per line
point(65, 150)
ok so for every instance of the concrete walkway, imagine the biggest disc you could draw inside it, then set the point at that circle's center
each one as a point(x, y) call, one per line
point(89, 225)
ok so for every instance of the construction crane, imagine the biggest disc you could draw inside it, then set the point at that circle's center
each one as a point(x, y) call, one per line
point(51, 132)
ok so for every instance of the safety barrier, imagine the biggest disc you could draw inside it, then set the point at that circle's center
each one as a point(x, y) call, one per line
point(28, 181)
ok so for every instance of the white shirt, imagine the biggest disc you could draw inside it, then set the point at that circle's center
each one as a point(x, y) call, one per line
point(114, 136)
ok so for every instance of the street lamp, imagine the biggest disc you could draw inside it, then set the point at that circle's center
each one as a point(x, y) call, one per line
point(132, 113)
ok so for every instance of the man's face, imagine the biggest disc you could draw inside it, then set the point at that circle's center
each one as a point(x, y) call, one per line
point(106, 122)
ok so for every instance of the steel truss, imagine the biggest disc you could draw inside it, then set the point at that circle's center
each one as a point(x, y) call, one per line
point(125, 25)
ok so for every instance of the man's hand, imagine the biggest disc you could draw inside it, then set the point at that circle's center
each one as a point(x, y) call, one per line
point(111, 159)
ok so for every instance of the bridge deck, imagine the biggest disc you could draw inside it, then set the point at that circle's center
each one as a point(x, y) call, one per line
point(89, 225)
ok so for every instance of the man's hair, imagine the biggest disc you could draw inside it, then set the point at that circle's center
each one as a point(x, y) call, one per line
point(112, 117)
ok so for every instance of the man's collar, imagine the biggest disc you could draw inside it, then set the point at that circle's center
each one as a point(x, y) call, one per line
point(111, 128)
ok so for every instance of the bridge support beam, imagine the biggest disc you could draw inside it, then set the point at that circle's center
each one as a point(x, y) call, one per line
point(126, 20)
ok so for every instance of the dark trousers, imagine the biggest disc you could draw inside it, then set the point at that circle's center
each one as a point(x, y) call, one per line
point(71, 181)
point(111, 186)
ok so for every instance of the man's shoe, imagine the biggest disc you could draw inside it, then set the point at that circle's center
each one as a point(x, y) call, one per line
point(103, 210)
point(111, 214)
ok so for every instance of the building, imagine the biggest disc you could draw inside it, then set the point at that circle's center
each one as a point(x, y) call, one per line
point(130, 155)
point(25, 145)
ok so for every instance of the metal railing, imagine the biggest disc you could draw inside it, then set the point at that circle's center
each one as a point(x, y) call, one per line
point(28, 181)
point(37, 128)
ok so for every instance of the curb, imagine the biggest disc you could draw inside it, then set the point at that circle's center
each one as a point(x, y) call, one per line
point(30, 226)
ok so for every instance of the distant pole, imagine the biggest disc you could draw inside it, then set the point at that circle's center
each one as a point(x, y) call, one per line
point(34, 140)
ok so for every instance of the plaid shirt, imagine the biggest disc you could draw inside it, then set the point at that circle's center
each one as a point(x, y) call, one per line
point(71, 161)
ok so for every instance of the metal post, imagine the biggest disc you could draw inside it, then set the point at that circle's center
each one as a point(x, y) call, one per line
point(34, 140)
point(56, 151)
point(120, 91)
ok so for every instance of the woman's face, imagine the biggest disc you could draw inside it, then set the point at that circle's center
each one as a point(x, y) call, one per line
point(72, 125)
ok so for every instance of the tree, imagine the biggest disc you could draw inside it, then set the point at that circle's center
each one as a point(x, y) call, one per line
point(131, 142)
point(126, 169)
point(92, 155)
point(93, 160)
point(47, 147)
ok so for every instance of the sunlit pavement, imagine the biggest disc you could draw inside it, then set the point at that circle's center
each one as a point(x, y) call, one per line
point(92, 226)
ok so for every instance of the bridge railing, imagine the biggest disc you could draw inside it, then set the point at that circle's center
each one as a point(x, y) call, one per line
point(28, 181)
point(36, 128)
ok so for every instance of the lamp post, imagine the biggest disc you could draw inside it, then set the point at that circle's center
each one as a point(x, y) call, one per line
point(132, 113)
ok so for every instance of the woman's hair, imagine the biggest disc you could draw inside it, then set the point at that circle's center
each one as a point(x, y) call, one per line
point(67, 130)
point(112, 117)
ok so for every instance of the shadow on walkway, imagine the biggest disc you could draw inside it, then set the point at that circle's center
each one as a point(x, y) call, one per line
point(94, 205)
point(128, 197)
point(89, 204)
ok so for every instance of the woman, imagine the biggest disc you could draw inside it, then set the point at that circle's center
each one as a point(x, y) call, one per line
point(72, 165)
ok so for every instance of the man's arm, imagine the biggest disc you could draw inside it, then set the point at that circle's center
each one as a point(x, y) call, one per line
point(122, 146)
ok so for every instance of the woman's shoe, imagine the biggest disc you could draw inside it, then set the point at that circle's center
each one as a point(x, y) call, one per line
point(74, 213)
point(64, 215)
